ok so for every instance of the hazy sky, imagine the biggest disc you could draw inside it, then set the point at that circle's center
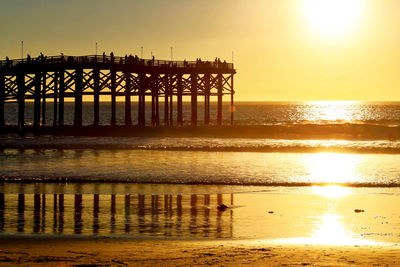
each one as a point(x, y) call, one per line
point(284, 49)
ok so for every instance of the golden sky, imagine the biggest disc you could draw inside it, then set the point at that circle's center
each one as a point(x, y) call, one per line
point(283, 49)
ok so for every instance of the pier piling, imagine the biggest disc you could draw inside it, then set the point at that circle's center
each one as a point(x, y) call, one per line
point(96, 96)
point(78, 98)
point(2, 100)
point(166, 100)
point(61, 99)
point(44, 81)
point(55, 98)
point(113, 97)
point(193, 93)
point(36, 107)
point(179, 100)
point(21, 101)
point(207, 99)
point(219, 109)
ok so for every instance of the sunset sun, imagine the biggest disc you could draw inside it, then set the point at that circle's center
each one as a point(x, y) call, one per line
point(332, 18)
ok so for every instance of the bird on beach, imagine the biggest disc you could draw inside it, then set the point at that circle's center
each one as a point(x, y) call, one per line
point(222, 207)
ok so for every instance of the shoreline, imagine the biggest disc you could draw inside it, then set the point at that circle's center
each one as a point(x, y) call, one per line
point(91, 180)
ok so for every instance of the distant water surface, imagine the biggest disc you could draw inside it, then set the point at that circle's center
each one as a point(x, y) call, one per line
point(246, 113)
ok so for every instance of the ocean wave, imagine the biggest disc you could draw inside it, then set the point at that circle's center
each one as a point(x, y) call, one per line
point(91, 179)
point(278, 131)
point(205, 144)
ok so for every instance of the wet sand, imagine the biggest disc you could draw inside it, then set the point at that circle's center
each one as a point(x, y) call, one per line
point(275, 226)
point(106, 252)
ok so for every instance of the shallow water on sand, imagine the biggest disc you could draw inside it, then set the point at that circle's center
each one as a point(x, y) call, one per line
point(199, 167)
point(285, 215)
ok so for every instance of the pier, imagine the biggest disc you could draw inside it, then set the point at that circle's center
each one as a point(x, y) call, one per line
point(58, 79)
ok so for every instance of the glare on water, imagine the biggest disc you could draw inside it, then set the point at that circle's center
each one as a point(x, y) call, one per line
point(332, 167)
point(332, 110)
point(331, 191)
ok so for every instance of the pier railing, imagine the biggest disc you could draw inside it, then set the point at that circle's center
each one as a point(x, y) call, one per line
point(103, 59)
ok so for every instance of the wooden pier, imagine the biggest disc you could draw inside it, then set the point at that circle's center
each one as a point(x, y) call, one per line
point(62, 78)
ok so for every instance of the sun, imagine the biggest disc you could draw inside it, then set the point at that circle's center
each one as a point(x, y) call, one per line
point(332, 18)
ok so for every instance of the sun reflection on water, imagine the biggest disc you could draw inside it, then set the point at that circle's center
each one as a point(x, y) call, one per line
point(332, 110)
point(332, 167)
point(331, 191)
point(329, 230)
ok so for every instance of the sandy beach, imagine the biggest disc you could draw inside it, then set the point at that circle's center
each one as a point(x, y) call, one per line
point(106, 252)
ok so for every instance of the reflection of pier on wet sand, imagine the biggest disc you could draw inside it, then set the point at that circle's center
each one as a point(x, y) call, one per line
point(116, 214)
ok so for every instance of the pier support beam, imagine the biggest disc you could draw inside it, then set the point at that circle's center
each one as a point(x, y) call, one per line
point(61, 99)
point(232, 103)
point(157, 109)
point(113, 98)
point(128, 117)
point(44, 88)
point(171, 94)
point(21, 101)
point(207, 99)
point(2, 101)
point(155, 119)
point(179, 100)
point(55, 98)
point(219, 87)
point(78, 98)
point(142, 99)
point(166, 100)
point(96, 96)
point(193, 89)
point(36, 105)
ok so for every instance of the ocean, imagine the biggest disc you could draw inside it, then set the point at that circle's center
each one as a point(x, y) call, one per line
point(233, 161)
point(169, 187)
point(246, 113)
